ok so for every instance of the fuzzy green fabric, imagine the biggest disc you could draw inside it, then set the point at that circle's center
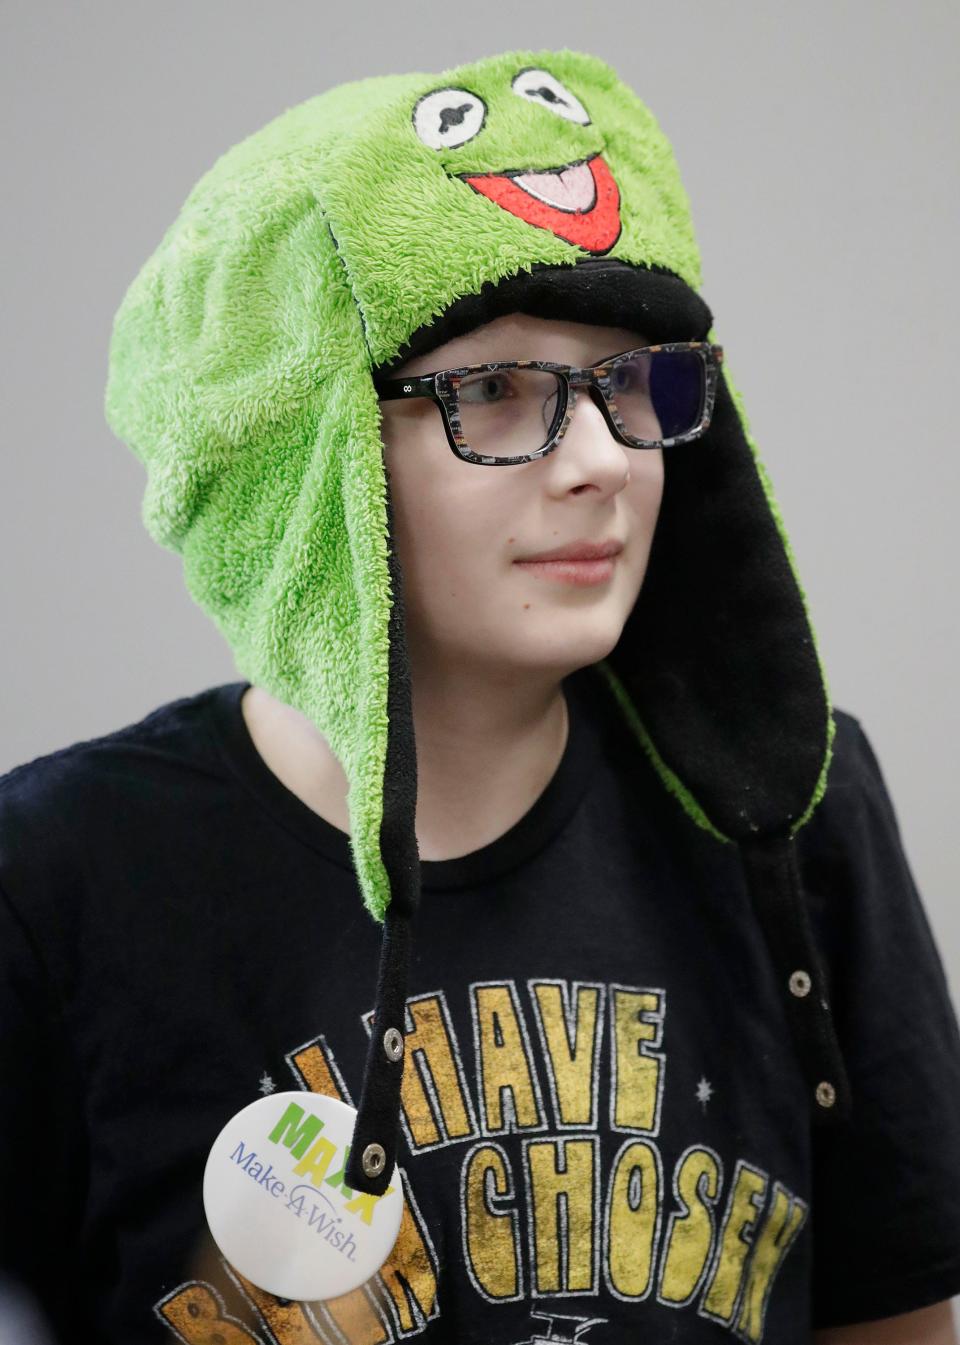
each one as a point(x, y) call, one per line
point(241, 355)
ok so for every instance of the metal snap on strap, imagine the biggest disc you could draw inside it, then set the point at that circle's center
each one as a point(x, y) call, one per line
point(800, 984)
point(826, 1094)
point(374, 1158)
point(392, 1044)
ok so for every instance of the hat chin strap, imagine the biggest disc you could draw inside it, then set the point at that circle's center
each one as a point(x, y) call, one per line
point(373, 1149)
point(773, 880)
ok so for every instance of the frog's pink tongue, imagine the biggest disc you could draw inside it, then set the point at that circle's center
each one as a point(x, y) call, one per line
point(570, 189)
point(580, 203)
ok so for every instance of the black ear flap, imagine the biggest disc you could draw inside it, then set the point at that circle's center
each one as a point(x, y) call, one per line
point(718, 655)
point(373, 1150)
point(718, 658)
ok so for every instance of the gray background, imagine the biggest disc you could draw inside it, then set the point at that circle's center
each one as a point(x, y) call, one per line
point(818, 143)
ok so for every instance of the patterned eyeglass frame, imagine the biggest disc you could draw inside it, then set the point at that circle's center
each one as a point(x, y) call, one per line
point(442, 385)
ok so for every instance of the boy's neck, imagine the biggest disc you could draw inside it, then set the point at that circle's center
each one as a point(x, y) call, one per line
point(472, 786)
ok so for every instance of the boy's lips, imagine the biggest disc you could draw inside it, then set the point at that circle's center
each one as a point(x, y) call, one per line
point(578, 202)
point(581, 550)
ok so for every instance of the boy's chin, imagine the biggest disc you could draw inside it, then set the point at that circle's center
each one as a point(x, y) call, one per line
point(572, 642)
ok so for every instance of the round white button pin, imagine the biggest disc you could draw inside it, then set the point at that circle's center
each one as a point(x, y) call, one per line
point(277, 1204)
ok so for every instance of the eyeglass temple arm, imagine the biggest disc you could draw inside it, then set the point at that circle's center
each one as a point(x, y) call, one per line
point(394, 389)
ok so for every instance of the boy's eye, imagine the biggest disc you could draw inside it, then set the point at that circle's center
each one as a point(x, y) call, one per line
point(486, 388)
point(629, 377)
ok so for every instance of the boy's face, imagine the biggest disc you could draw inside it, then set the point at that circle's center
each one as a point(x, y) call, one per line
point(461, 529)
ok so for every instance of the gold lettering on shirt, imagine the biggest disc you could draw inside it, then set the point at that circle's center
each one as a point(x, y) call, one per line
point(290, 1323)
point(632, 1215)
point(637, 1068)
point(509, 1091)
point(196, 1313)
point(784, 1220)
point(410, 1276)
point(689, 1237)
point(744, 1205)
point(563, 1181)
point(490, 1235)
point(443, 1113)
point(570, 1030)
point(355, 1319)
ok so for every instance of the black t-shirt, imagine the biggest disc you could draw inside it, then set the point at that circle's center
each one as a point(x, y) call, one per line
point(606, 1134)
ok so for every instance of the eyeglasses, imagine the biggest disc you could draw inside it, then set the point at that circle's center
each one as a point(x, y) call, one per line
point(512, 411)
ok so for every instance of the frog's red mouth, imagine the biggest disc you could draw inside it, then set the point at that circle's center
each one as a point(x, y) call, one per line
point(579, 202)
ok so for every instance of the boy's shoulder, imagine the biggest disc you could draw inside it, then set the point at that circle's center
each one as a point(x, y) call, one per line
point(93, 782)
point(847, 759)
point(854, 773)
point(855, 817)
point(95, 833)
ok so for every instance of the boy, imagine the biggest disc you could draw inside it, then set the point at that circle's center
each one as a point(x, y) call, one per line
point(638, 1056)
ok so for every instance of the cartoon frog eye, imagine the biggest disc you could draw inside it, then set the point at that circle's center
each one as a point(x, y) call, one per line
point(539, 86)
point(448, 117)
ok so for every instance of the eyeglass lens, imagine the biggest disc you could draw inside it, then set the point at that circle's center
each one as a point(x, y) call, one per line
point(511, 412)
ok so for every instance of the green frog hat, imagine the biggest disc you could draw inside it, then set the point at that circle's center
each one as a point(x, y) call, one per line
point(369, 224)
